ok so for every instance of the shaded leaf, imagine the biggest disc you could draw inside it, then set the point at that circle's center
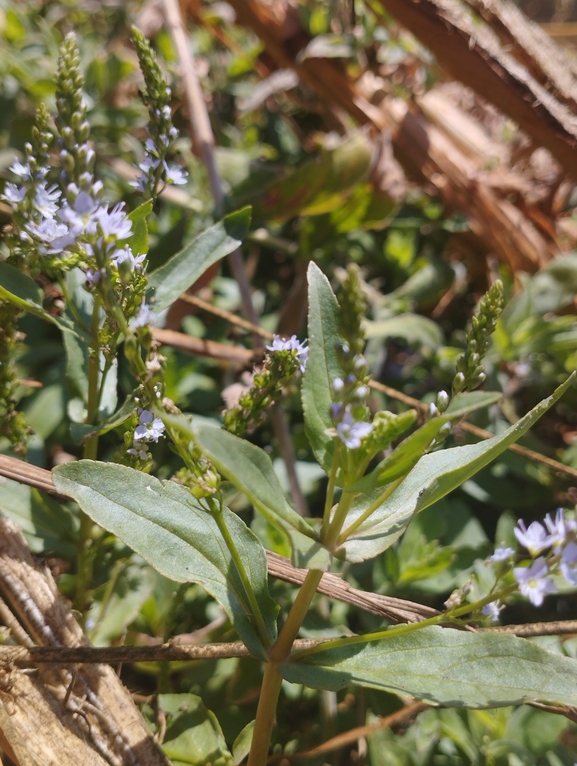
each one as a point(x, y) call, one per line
point(193, 734)
point(445, 666)
point(251, 470)
point(412, 328)
point(319, 185)
point(48, 526)
point(171, 530)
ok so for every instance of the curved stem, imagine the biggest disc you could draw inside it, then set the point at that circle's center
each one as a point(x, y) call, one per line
point(330, 492)
point(410, 628)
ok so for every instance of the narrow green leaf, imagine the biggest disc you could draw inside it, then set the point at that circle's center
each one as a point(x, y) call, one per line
point(241, 745)
point(323, 365)
point(251, 470)
point(434, 476)
point(165, 525)
point(182, 270)
point(407, 454)
point(445, 666)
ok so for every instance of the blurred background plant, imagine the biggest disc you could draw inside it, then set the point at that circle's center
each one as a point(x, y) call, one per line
point(322, 188)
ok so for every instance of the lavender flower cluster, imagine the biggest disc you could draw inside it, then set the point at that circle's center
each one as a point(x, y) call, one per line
point(557, 536)
point(299, 349)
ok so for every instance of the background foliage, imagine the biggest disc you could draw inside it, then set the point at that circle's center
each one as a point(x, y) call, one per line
point(310, 177)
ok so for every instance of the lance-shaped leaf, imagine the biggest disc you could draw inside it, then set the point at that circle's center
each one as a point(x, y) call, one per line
point(434, 476)
point(445, 666)
point(138, 240)
point(323, 365)
point(251, 470)
point(410, 450)
point(182, 270)
point(171, 530)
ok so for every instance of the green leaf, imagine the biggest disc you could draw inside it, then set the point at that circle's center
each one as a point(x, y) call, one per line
point(182, 270)
point(434, 476)
point(48, 526)
point(193, 734)
point(445, 666)
point(165, 525)
point(241, 745)
point(251, 470)
point(407, 454)
point(323, 365)
point(138, 240)
point(82, 431)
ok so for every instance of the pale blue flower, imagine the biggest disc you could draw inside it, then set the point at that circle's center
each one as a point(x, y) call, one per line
point(114, 223)
point(21, 169)
point(150, 428)
point(174, 174)
point(502, 554)
point(14, 194)
point(534, 538)
point(492, 610)
point(145, 316)
point(53, 235)
point(45, 200)
point(92, 277)
point(351, 432)
point(568, 564)
point(81, 216)
point(559, 528)
point(125, 255)
point(533, 581)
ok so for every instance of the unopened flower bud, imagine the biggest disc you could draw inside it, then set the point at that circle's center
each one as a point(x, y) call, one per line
point(442, 401)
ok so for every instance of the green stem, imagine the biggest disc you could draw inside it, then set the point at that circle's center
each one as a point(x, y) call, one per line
point(85, 556)
point(370, 510)
point(402, 629)
point(339, 518)
point(272, 679)
point(330, 492)
point(71, 305)
point(240, 568)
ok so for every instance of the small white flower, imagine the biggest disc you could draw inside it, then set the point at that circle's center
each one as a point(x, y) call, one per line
point(45, 200)
point(114, 223)
point(14, 194)
point(19, 169)
point(351, 432)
